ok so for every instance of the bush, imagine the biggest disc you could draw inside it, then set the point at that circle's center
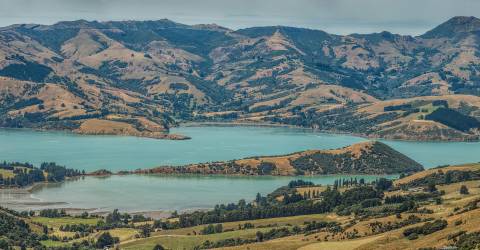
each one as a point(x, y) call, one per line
point(106, 240)
point(158, 247)
point(427, 228)
point(412, 236)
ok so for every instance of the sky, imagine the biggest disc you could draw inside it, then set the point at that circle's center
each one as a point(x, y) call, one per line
point(408, 17)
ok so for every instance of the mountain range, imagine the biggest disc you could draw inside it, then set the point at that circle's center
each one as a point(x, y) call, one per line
point(142, 77)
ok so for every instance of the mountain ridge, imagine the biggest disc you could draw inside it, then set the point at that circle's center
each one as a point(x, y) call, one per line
point(169, 72)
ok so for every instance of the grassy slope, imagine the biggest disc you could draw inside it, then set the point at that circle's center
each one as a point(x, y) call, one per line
point(394, 239)
point(389, 240)
point(185, 238)
point(57, 222)
point(370, 157)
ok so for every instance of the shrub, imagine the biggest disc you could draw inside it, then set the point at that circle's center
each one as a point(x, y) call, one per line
point(464, 190)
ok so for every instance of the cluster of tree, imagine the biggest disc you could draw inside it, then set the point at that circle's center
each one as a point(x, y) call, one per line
point(348, 182)
point(78, 228)
point(314, 226)
point(57, 173)
point(106, 240)
point(401, 107)
point(16, 232)
point(453, 119)
point(27, 70)
point(414, 197)
point(11, 165)
point(379, 227)
point(53, 213)
point(339, 119)
point(381, 159)
point(25, 174)
point(445, 177)
point(212, 229)
point(468, 241)
point(296, 205)
point(311, 194)
point(266, 168)
point(300, 183)
point(274, 233)
point(427, 228)
point(23, 177)
point(115, 219)
point(139, 218)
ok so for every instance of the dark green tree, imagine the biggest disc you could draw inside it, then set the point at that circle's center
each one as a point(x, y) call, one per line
point(464, 190)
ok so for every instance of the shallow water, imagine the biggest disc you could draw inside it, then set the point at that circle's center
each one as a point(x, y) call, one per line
point(136, 193)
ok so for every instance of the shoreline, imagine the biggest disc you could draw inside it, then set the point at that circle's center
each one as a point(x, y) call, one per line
point(21, 199)
point(180, 137)
point(166, 136)
point(314, 130)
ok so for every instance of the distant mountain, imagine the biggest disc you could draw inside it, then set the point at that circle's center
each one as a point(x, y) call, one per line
point(455, 26)
point(362, 158)
point(142, 77)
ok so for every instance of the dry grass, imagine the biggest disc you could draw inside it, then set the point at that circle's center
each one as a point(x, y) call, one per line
point(283, 163)
point(340, 245)
point(6, 173)
point(419, 175)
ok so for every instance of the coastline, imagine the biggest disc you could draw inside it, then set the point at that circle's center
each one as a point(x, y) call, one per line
point(163, 136)
point(21, 199)
point(175, 137)
point(315, 130)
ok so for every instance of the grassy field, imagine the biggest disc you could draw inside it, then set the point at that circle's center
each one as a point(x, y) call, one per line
point(188, 241)
point(419, 175)
point(289, 243)
point(188, 238)
point(282, 221)
point(340, 245)
point(51, 243)
point(62, 221)
point(123, 234)
point(6, 173)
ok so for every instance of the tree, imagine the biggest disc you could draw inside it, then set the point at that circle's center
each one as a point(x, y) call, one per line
point(218, 228)
point(431, 187)
point(383, 184)
point(158, 247)
point(464, 190)
point(145, 231)
point(105, 240)
point(448, 177)
point(259, 236)
point(258, 198)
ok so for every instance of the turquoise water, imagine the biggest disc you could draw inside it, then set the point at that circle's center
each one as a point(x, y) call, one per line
point(146, 193)
point(207, 144)
point(165, 193)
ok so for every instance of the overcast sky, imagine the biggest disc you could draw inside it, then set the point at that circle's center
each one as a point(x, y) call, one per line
point(335, 16)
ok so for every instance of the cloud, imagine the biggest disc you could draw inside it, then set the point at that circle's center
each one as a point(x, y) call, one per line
point(335, 16)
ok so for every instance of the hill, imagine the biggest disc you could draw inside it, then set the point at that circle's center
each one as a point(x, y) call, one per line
point(434, 209)
point(142, 77)
point(368, 216)
point(417, 118)
point(362, 158)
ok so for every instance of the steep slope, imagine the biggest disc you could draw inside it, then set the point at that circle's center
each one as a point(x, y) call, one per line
point(165, 71)
point(407, 119)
